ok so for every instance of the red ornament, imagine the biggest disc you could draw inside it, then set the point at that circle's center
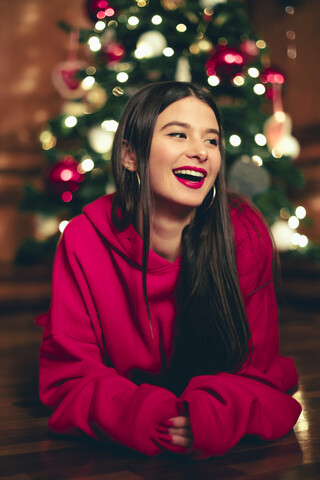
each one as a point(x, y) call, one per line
point(225, 62)
point(65, 177)
point(65, 80)
point(113, 52)
point(99, 10)
point(271, 77)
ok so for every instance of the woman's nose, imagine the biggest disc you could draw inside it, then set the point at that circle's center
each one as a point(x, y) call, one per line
point(198, 150)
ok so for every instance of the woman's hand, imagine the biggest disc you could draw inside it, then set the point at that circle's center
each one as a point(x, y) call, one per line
point(177, 431)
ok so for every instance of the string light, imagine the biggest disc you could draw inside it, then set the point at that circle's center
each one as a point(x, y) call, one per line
point(299, 240)
point(257, 160)
point(260, 139)
point(303, 241)
point(253, 72)
point(293, 222)
point(238, 80)
point(285, 213)
point(289, 9)
point(70, 121)
point(62, 225)
point(259, 89)
point(181, 27)
point(213, 80)
point(156, 20)
point(122, 77)
point(208, 11)
point(86, 165)
point(94, 44)
point(113, 24)
point(204, 45)
point(48, 140)
point(300, 212)
point(194, 49)
point(235, 140)
point(133, 21)
point(91, 70)
point(100, 25)
point(88, 82)
point(290, 34)
point(168, 52)
point(292, 52)
point(261, 44)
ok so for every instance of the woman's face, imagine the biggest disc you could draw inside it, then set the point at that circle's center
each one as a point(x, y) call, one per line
point(184, 156)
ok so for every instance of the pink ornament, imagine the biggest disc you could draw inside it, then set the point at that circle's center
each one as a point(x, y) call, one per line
point(225, 62)
point(65, 177)
point(249, 49)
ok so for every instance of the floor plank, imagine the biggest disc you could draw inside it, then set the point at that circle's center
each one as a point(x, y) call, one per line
point(28, 451)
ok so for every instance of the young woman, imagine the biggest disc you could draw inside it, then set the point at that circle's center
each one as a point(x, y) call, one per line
point(162, 333)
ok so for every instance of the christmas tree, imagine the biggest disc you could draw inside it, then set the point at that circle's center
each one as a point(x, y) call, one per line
point(133, 43)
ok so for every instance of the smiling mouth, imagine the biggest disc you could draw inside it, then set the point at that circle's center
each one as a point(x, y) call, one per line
point(190, 175)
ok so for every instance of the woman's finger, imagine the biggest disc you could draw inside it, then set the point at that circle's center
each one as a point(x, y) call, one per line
point(180, 421)
point(181, 441)
point(182, 432)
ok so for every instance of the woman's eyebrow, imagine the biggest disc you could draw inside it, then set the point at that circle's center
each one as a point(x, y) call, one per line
point(187, 126)
point(176, 123)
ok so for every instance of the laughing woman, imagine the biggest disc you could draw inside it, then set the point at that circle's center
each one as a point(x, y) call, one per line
point(162, 334)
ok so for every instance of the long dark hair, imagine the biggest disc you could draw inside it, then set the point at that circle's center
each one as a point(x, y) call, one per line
point(211, 329)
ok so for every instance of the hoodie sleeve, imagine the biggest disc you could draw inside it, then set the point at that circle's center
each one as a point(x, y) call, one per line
point(225, 407)
point(88, 395)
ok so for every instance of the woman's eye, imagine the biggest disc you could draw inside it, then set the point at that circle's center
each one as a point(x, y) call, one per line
point(212, 141)
point(177, 134)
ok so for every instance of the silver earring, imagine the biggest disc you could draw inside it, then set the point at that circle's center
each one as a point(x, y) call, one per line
point(212, 199)
point(138, 179)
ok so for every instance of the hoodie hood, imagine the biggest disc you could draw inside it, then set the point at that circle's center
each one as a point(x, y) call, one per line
point(126, 243)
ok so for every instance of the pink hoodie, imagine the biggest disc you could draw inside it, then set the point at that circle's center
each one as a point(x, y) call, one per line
point(100, 367)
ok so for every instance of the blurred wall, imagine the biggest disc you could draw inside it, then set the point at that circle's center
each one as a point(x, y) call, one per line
point(32, 45)
point(301, 93)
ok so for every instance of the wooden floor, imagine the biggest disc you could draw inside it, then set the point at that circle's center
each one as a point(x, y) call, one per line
point(28, 451)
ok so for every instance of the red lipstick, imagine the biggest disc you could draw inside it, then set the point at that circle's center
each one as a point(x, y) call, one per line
point(191, 177)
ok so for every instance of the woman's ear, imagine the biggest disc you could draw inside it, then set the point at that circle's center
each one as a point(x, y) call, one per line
point(128, 157)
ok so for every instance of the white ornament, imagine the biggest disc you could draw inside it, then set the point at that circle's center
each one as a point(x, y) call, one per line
point(183, 73)
point(100, 140)
point(150, 44)
point(210, 3)
point(289, 146)
point(282, 235)
point(45, 226)
point(276, 128)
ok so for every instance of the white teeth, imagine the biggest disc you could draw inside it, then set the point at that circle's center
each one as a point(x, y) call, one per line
point(189, 172)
